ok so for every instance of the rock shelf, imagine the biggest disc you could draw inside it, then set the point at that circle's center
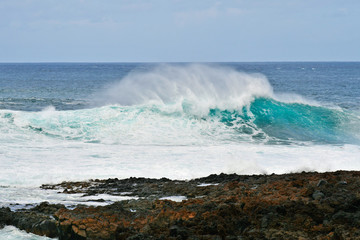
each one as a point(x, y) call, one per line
point(305, 205)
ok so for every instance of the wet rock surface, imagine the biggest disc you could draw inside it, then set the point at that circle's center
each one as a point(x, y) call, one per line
point(289, 206)
point(38, 220)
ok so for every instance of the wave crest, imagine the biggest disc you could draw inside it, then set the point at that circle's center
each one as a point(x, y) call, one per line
point(203, 87)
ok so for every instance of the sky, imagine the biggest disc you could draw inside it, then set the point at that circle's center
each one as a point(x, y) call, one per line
point(179, 30)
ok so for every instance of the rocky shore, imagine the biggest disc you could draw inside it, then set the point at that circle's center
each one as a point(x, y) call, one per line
point(290, 206)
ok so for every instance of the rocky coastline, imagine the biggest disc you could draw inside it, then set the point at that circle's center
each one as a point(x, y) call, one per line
point(307, 205)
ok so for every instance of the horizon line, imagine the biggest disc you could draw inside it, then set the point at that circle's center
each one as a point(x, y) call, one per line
point(174, 62)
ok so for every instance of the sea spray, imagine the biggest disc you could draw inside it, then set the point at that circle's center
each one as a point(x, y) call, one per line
point(12, 233)
point(196, 86)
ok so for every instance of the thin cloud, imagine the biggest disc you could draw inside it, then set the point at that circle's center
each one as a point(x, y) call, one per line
point(234, 11)
point(203, 15)
point(187, 17)
point(87, 23)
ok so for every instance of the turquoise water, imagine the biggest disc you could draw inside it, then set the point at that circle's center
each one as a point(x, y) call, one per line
point(286, 123)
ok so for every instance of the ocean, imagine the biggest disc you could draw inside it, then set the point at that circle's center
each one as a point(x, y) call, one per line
point(78, 121)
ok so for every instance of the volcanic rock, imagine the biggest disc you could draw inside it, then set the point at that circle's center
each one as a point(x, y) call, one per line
point(290, 206)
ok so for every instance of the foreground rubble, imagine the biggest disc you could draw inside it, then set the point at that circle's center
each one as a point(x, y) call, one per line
point(290, 206)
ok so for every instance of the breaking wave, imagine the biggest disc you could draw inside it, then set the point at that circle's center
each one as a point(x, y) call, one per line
point(190, 105)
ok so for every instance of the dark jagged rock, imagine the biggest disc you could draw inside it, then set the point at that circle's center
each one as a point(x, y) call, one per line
point(37, 220)
point(5, 217)
point(290, 206)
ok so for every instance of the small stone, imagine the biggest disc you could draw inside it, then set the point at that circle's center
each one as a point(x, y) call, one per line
point(48, 228)
point(341, 183)
point(342, 217)
point(264, 222)
point(322, 182)
point(176, 231)
point(317, 195)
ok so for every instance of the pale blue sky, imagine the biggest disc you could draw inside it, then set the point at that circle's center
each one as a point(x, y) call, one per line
point(179, 30)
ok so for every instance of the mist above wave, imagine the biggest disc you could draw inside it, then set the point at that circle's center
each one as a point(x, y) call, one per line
point(203, 87)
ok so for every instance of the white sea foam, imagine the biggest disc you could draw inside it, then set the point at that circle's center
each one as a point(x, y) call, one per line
point(18, 197)
point(12, 233)
point(207, 86)
point(56, 161)
point(202, 86)
point(174, 198)
point(295, 98)
point(207, 184)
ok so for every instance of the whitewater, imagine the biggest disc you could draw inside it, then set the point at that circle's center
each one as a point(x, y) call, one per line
point(179, 121)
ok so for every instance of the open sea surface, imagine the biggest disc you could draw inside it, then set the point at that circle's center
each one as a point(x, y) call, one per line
point(78, 121)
